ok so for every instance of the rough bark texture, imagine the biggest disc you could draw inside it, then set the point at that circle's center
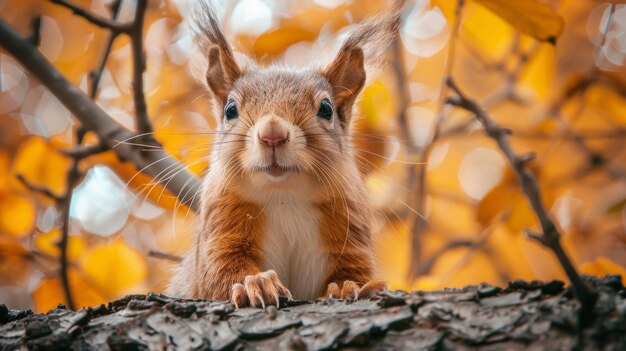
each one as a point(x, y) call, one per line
point(525, 315)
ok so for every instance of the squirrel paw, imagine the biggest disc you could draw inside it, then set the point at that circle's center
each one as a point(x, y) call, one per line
point(259, 290)
point(351, 290)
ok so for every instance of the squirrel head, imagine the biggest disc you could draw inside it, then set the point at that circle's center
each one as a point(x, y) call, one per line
point(278, 123)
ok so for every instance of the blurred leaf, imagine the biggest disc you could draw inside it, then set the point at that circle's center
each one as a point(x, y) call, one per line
point(4, 170)
point(17, 214)
point(603, 266)
point(538, 73)
point(49, 293)
point(13, 262)
point(457, 268)
point(528, 16)
point(48, 243)
point(191, 147)
point(521, 215)
point(616, 207)
point(497, 200)
point(276, 41)
point(114, 268)
point(394, 261)
point(376, 105)
point(608, 100)
point(489, 34)
point(41, 165)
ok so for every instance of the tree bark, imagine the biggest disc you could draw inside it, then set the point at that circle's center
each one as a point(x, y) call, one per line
point(524, 315)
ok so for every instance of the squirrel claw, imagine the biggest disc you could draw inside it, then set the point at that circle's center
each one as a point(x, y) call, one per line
point(351, 290)
point(259, 288)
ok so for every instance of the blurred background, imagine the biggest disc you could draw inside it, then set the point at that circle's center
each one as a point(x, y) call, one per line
point(449, 211)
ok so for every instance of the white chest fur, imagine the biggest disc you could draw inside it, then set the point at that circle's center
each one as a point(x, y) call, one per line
point(292, 245)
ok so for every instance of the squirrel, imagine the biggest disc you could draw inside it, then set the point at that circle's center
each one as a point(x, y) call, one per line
point(283, 206)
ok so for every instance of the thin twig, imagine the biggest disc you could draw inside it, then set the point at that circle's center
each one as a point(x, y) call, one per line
point(72, 178)
point(142, 121)
point(404, 100)
point(35, 36)
point(550, 237)
point(164, 256)
point(99, 21)
point(81, 152)
point(38, 189)
point(96, 74)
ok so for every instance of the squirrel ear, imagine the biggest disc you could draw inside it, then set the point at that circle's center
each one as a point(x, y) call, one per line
point(346, 75)
point(221, 73)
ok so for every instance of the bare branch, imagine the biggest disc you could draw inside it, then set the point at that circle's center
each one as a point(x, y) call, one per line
point(37, 189)
point(404, 100)
point(96, 74)
point(81, 152)
point(164, 256)
point(95, 19)
point(72, 178)
point(35, 36)
point(550, 237)
point(143, 125)
point(95, 119)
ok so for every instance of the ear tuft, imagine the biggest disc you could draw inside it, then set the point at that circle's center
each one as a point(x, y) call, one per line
point(223, 69)
point(362, 51)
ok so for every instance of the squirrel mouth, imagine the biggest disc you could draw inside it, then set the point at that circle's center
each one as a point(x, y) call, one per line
point(275, 170)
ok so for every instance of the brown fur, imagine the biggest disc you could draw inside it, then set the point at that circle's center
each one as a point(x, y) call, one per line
point(316, 171)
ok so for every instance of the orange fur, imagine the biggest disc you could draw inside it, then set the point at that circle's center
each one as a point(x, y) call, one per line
point(290, 215)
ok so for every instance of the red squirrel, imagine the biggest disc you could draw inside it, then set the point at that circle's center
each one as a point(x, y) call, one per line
point(283, 206)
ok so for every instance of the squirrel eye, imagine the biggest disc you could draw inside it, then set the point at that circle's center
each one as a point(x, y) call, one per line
point(326, 110)
point(230, 110)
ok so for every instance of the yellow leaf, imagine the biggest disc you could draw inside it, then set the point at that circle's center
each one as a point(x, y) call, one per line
point(496, 200)
point(40, 164)
point(391, 246)
point(603, 266)
point(376, 106)
point(274, 42)
point(457, 268)
point(489, 34)
point(50, 293)
point(521, 215)
point(115, 268)
point(13, 262)
point(48, 243)
point(608, 100)
point(4, 170)
point(528, 16)
point(17, 214)
point(538, 74)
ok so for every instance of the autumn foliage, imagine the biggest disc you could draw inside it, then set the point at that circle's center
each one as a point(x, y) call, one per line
point(449, 208)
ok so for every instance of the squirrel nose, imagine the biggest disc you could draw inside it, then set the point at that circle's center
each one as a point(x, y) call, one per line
point(273, 140)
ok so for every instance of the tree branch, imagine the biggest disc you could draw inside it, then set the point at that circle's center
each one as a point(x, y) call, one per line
point(72, 178)
point(164, 256)
point(38, 189)
point(142, 121)
point(99, 21)
point(96, 74)
point(93, 118)
point(550, 237)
